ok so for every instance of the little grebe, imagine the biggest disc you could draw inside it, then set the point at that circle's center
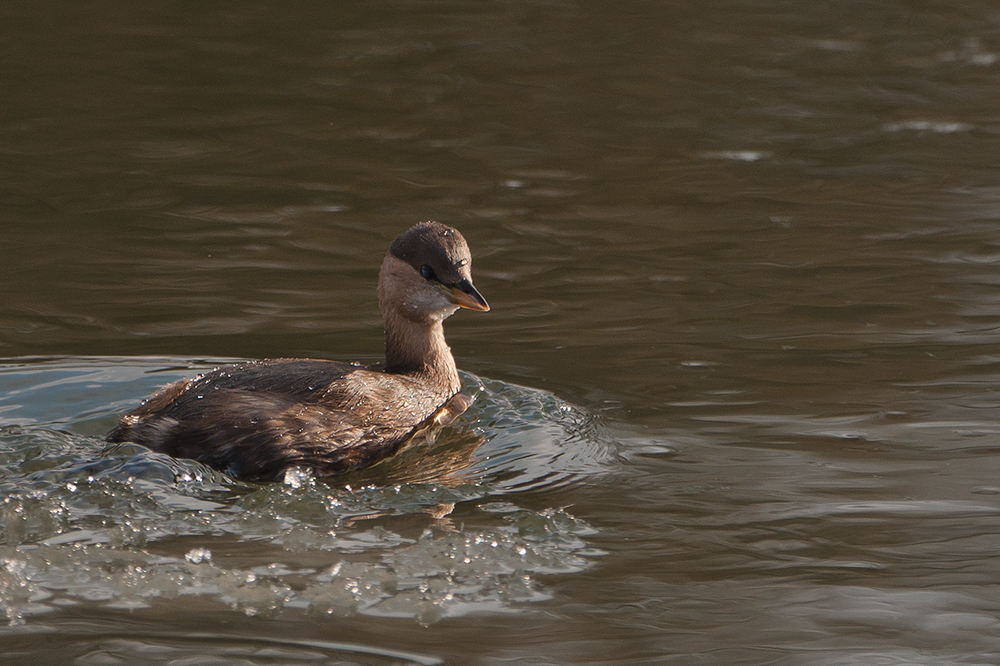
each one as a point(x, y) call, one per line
point(257, 419)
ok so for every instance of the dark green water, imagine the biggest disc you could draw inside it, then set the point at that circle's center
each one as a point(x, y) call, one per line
point(736, 402)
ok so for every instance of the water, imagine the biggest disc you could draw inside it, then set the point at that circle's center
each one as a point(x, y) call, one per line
point(735, 402)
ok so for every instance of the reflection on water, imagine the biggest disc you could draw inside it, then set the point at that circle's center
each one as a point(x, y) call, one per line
point(424, 535)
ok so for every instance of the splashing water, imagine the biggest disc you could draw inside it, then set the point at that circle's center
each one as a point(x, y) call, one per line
point(434, 532)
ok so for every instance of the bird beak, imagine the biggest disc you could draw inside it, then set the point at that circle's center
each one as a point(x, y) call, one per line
point(463, 294)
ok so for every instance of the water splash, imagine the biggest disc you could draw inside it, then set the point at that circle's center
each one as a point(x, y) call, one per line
point(434, 532)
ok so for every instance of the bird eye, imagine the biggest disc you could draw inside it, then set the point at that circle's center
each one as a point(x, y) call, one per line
point(427, 272)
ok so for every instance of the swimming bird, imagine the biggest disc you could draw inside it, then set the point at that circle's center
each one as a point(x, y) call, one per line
point(255, 420)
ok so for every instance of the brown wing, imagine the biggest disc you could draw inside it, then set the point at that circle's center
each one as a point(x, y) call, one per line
point(254, 420)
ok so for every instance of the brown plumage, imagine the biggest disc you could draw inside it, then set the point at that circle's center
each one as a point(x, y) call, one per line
point(256, 419)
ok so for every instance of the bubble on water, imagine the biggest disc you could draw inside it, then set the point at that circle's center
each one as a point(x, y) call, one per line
point(198, 555)
point(297, 477)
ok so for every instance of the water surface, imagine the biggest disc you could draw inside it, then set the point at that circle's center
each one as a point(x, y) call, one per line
point(735, 402)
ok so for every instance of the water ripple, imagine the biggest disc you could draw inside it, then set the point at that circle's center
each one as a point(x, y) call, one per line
point(437, 531)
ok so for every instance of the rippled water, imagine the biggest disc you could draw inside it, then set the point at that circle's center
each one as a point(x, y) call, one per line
point(736, 401)
point(429, 534)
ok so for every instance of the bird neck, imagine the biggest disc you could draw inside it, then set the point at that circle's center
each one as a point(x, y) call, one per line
point(419, 348)
point(414, 340)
